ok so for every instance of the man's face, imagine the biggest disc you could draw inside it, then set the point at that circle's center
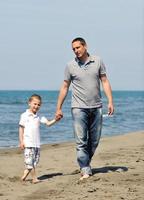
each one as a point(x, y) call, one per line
point(79, 49)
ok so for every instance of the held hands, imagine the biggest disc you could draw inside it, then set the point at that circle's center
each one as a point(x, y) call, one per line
point(44, 120)
point(58, 115)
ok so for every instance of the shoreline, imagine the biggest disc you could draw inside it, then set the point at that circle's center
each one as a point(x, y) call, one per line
point(118, 172)
point(70, 141)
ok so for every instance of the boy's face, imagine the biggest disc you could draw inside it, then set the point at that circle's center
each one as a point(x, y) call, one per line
point(34, 105)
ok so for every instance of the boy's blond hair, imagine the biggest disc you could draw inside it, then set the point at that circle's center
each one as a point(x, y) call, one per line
point(35, 96)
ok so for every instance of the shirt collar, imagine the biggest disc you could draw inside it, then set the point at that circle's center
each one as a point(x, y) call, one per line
point(89, 60)
point(30, 113)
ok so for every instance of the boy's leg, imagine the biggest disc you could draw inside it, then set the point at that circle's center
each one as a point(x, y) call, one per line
point(34, 177)
point(28, 159)
point(25, 174)
point(31, 160)
point(35, 162)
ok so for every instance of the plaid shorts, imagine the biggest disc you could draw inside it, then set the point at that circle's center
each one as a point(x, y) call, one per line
point(31, 157)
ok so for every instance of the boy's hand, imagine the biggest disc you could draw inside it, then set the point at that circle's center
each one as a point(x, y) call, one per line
point(22, 146)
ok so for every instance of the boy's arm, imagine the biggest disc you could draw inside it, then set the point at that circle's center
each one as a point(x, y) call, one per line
point(50, 122)
point(21, 134)
point(44, 120)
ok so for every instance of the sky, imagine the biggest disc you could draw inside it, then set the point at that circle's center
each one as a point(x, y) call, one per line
point(36, 35)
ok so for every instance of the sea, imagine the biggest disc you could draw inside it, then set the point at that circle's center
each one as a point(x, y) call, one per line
point(128, 116)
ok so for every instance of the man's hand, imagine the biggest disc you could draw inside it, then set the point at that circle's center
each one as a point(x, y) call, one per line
point(58, 115)
point(110, 109)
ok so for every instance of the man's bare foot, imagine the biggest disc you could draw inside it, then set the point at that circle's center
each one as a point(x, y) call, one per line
point(36, 181)
point(85, 176)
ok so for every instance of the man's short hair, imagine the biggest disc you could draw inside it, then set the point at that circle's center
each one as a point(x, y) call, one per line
point(81, 40)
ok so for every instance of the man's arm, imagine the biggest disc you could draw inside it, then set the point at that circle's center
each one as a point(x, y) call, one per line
point(62, 95)
point(108, 93)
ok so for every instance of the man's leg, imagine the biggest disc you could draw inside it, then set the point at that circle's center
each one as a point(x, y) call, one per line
point(80, 123)
point(94, 130)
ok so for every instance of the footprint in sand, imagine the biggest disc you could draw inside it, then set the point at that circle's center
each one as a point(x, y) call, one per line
point(14, 179)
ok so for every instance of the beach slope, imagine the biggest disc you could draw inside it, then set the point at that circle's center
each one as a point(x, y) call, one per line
point(118, 172)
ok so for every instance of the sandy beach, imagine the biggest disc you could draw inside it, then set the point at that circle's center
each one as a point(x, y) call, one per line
point(118, 172)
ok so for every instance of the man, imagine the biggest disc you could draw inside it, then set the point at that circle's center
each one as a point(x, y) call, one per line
point(85, 73)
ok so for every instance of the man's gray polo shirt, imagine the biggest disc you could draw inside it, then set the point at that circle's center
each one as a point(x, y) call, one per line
point(85, 80)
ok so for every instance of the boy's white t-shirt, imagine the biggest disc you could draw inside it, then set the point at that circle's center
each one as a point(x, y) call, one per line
point(31, 124)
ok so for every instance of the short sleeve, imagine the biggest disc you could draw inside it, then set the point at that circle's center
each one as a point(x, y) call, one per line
point(43, 120)
point(102, 70)
point(67, 76)
point(22, 120)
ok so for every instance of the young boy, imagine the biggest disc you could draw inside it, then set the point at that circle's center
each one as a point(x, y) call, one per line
point(29, 136)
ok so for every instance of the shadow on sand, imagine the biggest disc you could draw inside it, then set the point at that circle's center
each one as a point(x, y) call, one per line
point(48, 176)
point(108, 169)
